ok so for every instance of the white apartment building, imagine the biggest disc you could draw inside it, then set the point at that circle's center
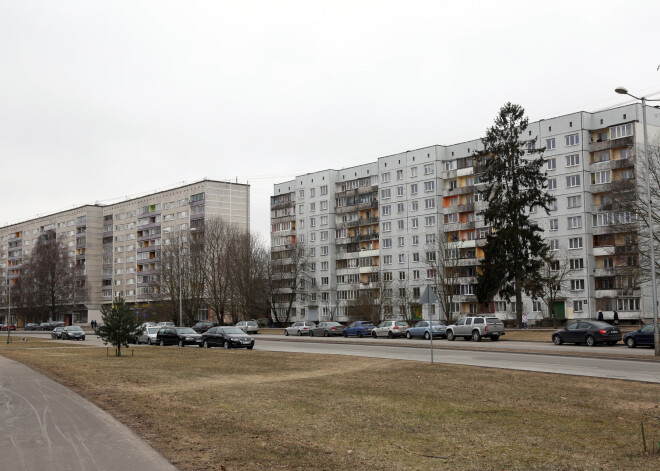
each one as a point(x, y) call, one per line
point(371, 226)
point(117, 247)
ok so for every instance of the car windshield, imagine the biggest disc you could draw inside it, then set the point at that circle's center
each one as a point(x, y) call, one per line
point(153, 330)
point(600, 325)
point(75, 328)
point(233, 330)
point(185, 330)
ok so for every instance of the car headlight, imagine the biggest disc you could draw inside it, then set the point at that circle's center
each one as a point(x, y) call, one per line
point(233, 339)
point(189, 338)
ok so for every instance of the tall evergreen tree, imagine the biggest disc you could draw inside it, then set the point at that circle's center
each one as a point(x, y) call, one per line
point(120, 325)
point(515, 183)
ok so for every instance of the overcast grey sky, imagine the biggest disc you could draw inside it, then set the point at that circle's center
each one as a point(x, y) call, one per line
point(104, 99)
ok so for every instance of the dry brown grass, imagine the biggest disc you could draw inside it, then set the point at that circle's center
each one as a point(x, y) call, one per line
point(204, 409)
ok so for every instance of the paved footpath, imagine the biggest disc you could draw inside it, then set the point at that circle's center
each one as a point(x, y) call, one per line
point(45, 426)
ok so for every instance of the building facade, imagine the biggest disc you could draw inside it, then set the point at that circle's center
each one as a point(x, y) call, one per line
point(117, 248)
point(375, 227)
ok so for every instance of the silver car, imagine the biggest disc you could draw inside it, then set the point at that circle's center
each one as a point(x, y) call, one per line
point(390, 329)
point(148, 336)
point(249, 327)
point(299, 328)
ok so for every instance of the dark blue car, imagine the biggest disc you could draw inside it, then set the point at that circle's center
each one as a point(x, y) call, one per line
point(358, 329)
point(642, 337)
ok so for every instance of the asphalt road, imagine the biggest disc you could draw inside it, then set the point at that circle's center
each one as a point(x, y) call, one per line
point(627, 369)
point(44, 426)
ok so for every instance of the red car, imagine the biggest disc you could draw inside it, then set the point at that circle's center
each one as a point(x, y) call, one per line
point(11, 327)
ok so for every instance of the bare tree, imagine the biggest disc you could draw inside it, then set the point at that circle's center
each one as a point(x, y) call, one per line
point(404, 300)
point(373, 301)
point(443, 261)
point(555, 281)
point(48, 278)
point(288, 279)
point(248, 262)
point(218, 238)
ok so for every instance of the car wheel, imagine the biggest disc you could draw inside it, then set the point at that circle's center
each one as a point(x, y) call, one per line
point(476, 336)
point(557, 340)
point(408, 336)
point(286, 332)
point(300, 333)
point(226, 345)
point(326, 334)
point(180, 343)
point(630, 342)
point(590, 341)
point(162, 344)
point(250, 347)
point(494, 338)
point(373, 334)
point(427, 336)
point(206, 344)
point(450, 335)
point(311, 333)
point(390, 335)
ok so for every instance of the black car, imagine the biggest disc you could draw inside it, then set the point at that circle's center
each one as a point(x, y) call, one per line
point(45, 326)
point(177, 336)
point(589, 332)
point(31, 326)
point(202, 326)
point(640, 337)
point(72, 332)
point(227, 337)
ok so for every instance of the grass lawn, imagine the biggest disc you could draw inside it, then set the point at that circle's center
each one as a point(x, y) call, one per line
point(216, 409)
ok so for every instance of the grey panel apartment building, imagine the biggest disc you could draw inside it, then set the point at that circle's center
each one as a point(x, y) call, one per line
point(371, 226)
point(117, 247)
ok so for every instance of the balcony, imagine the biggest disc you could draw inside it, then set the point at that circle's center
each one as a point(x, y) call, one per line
point(603, 272)
point(462, 208)
point(611, 164)
point(612, 144)
point(286, 204)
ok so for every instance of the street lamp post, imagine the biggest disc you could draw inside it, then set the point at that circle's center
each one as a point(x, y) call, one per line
point(654, 288)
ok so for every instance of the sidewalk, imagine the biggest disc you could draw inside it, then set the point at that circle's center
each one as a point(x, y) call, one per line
point(45, 426)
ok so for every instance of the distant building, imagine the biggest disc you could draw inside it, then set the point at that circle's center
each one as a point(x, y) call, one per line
point(368, 227)
point(117, 247)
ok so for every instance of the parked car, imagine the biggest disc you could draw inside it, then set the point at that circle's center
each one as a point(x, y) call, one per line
point(421, 329)
point(299, 328)
point(390, 329)
point(57, 333)
point(6, 327)
point(476, 328)
point(249, 327)
point(359, 329)
point(147, 336)
point(326, 329)
point(31, 326)
point(640, 338)
point(202, 326)
point(227, 337)
point(44, 326)
point(589, 332)
point(72, 332)
point(165, 324)
point(180, 336)
point(58, 324)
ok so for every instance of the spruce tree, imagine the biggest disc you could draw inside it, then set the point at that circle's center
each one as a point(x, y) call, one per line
point(515, 183)
point(120, 325)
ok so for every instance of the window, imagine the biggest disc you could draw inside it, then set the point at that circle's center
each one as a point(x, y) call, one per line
point(402, 275)
point(552, 206)
point(573, 180)
point(429, 221)
point(414, 223)
point(415, 257)
point(324, 220)
point(402, 258)
point(429, 186)
point(628, 304)
point(385, 177)
point(387, 276)
point(312, 206)
point(301, 194)
point(576, 263)
point(324, 205)
point(401, 242)
point(608, 262)
point(599, 178)
point(574, 222)
point(603, 219)
point(387, 226)
point(413, 171)
point(399, 174)
point(550, 143)
point(623, 130)
point(552, 164)
point(387, 259)
point(554, 244)
point(577, 305)
point(552, 183)
point(536, 306)
point(312, 222)
point(400, 208)
point(450, 165)
point(386, 210)
point(429, 203)
point(572, 140)
point(428, 169)
point(400, 224)
point(414, 206)
point(626, 153)
point(577, 285)
point(312, 192)
point(554, 224)
point(575, 243)
point(385, 193)
point(627, 174)
point(415, 240)
point(324, 190)
point(413, 189)
point(324, 250)
point(572, 160)
point(387, 243)
point(399, 191)
point(324, 235)
point(575, 201)
point(415, 275)
point(430, 238)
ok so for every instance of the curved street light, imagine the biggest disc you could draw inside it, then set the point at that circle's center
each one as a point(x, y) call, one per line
point(654, 289)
